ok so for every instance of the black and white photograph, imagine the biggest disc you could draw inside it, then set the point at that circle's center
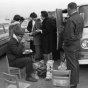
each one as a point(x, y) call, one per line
point(43, 44)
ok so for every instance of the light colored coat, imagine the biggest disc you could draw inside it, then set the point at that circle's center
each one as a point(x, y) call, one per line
point(37, 35)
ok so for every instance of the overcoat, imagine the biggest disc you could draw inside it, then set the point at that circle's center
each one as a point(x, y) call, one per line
point(46, 27)
point(53, 35)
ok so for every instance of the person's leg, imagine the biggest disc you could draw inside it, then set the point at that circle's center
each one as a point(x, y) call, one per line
point(46, 57)
point(51, 56)
point(62, 55)
point(24, 62)
point(56, 55)
point(72, 65)
point(38, 54)
point(32, 46)
point(77, 62)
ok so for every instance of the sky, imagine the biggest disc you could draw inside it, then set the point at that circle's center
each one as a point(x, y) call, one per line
point(8, 8)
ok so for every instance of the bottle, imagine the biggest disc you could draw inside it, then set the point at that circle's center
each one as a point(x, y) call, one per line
point(49, 69)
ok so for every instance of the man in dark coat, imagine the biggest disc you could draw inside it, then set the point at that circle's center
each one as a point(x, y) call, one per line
point(72, 35)
point(15, 48)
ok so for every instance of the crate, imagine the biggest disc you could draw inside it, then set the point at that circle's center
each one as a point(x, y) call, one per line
point(61, 78)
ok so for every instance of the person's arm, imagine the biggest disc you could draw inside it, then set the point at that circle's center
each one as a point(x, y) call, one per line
point(37, 28)
point(70, 31)
point(17, 50)
point(35, 33)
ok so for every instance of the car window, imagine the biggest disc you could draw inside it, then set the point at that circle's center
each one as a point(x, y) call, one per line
point(4, 30)
point(83, 10)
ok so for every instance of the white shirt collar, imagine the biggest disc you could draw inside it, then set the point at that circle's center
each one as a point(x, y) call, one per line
point(14, 36)
point(33, 22)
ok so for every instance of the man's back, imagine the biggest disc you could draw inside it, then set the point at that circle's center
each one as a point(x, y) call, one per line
point(78, 20)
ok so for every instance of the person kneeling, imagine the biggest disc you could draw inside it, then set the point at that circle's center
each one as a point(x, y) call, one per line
point(15, 47)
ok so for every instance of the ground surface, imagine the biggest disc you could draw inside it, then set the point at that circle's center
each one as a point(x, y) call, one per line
point(42, 83)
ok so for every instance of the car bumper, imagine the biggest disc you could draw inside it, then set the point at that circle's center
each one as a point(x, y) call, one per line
point(83, 62)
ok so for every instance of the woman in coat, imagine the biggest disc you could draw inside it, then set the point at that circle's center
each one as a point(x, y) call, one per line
point(45, 30)
point(37, 39)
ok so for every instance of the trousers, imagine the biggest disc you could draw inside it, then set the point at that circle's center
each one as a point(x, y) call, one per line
point(38, 52)
point(23, 62)
point(72, 64)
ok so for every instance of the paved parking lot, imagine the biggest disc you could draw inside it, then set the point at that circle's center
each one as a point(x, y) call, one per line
point(42, 83)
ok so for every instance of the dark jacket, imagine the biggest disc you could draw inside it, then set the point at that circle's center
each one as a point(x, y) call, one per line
point(53, 34)
point(46, 28)
point(73, 31)
point(29, 27)
point(14, 49)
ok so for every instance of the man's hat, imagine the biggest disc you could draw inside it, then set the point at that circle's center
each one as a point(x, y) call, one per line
point(18, 32)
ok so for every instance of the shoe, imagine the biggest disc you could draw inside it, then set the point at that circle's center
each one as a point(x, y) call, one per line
point(74, 86)
point(31, 79)
point(35, 75)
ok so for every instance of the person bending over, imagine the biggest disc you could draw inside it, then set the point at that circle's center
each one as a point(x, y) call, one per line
point(15, 47)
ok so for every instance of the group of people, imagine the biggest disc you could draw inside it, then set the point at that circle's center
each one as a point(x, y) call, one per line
point(16, 47)
point(40, 31)
point(44, 33)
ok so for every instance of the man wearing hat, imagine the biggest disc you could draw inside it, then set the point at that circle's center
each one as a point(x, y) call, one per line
point(15, 55)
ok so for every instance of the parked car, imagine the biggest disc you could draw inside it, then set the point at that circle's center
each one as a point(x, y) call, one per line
point(4, 37)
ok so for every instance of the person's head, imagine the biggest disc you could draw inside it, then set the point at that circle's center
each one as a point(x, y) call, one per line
point(38, 19)
point(21, 19)
point(71, 8)
point(16, 18)
point(19, 34)
point(50, 14)
point(33, 16)
point(44, 14)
